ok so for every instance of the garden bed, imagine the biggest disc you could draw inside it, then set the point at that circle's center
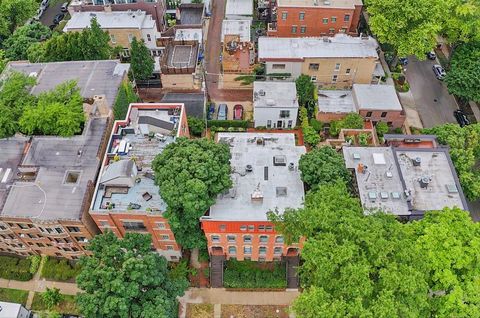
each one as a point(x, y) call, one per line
point(60, 270)
point(248, 274)
point(15, 268)
point(66, 306)
point(199, 311)
point(13, 295)
point(254, 311)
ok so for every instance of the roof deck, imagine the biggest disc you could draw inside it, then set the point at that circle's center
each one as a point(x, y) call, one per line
point(266, 176)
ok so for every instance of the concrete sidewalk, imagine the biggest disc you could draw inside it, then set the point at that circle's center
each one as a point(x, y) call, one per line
point(40, 285)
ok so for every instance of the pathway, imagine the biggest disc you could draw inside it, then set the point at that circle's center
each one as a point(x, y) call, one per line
point(40, 285)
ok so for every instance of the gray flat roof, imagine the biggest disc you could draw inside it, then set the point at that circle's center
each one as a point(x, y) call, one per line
point(388, 180)
point(376, 97)
point(280, 186)
point(191, 14)
point(52, 195)
point(336, 101)
point(237, 27)
point(93, 77)
point(181, 56)
point(239, 7)
point(111, 20)
point(340, 45)
point(275, 94)
point(194, 102)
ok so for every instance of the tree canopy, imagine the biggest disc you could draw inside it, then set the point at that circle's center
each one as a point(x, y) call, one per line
point(190, 175)
point(17, 45)
point(306, 93)
point(463, 77)
point(351, 121)
point(125, 278)
point(14, 13)
point(126, 95)
point(141, 63)
point(323, 165)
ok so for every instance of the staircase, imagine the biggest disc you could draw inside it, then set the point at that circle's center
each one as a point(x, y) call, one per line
point(292, 263)
point(216, 270)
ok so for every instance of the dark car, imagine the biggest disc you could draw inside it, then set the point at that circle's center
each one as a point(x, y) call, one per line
point(52, 26)
point(461, 118)
point(403, 60)
point(59, 17)
point(439, 72)
point(431, 55)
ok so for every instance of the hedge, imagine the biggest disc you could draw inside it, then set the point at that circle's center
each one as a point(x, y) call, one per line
point(61, 270)
point(249, 274)
point(227, 123)
point(15, 268)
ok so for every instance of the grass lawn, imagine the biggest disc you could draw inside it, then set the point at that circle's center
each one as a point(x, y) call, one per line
point(13, 295)
point(199, 311)
point(66, 306)
point(254, 311)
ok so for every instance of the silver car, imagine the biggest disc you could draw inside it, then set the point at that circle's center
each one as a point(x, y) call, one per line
point(439, 72)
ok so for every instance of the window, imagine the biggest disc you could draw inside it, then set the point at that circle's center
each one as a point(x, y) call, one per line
point(334, 19)
point(384, 114)
point(251, 228)
point(278, 66)
point(149, 38)
point(346, 18)
point(166, 237)
point(261, 228)
point(269, 228)
point(169, 247)
point(313, 78)
point(112, 38)
point(74, 229)
point(243, 228)
point(247, 250)
point(263, 239)
point(301, 16)
point(277, 250)
point(160, 225)
point(284, 16)
point(389, 123)
point(334, 78)
point(22, 226)
point(247, 239)
point(284, 113)
point(303, 29)
point(103, 223)
point(369, 114)
point(279, 239)
point(232, 250)
point(59, 230)
point(81, 239)
point(262, 250)
point(31, 236)
point(231, 238)
point(294, 29)
point(290, 123)
point(269, 124)
point(331, 31)
point(347, 71)
point(130, 38)
point(337, 66)
point(40, 245)
point(134, 226)
point(215, 238)
point(223, 227)
point(325, 20)
point(71, 177)
point(313, 66)
point(343, 30)
point(3, 227)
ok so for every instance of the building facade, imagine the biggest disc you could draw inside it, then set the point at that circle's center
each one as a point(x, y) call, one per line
point(299, 18)
point(126, 198)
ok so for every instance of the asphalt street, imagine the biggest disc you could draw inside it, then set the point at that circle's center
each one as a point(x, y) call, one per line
point(52, 10)
point(433, 102)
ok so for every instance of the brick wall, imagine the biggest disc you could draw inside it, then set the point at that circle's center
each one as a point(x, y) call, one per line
point(396, 119)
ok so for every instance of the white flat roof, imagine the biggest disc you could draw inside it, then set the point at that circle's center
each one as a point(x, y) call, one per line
point(237, 27)
point(239, 7)
point(334, 4)
point(111, 20)
point(376, 97)
point(336, 101)
point(275, 94)
point(9, 310)
point(341, 45)
point(280, 186)
point(188, 35)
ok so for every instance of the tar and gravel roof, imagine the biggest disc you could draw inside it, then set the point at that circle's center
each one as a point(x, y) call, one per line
point(239, 8)
point(275, 94)
point(280, 186)
point(376, 97)
point(111, 20)
point(237, 27)
point(341, 45)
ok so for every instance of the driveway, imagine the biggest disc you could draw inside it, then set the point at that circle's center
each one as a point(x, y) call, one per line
point(432, 100)
point(52, 10)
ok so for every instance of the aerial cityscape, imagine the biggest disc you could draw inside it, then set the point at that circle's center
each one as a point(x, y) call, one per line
point(239, 159)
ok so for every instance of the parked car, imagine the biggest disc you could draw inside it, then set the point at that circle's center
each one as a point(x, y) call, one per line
point(211, 111)
point(44, 4)
point(403, 60)
point(39, 14)
point(222, 112)
point(59, 17)
point(64, 7)
point(431, 55)
point(238, 112)
point(439, 72)
point(461, 118)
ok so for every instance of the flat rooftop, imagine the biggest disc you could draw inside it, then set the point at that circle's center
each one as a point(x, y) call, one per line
point(93, 77)
point(259, 184)
point(336, 101)
point(111, 20)
point(181, 55)
point(237, 27)
point(275, 94)
point(404, 181)
point(239, 7)
point(194, 102)
point(188, 35)
point(126, 181)
point(376, 97)
point(340, 45)
point(349, 4)
point(64, 166)
point(191, 13)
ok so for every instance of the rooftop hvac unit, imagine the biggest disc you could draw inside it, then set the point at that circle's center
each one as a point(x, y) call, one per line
point(248, 168)
point(416, 161)
point(424, 181)
point(279, 160)
point(261, 92)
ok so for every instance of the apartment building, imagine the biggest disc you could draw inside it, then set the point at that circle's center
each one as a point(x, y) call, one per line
point(122, 27)
point(275, 104)
point(126, 198)
point(155, 8)
point(306, 18)
point(45, 191)
point(332, 62)
point(265, 178)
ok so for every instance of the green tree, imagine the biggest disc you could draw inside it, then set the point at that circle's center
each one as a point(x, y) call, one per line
point(462, 24)
point(323, 165)
point(196, 126)
point(141, 63)
point(126, 95)
point(17, 45)
point(382, 128)
point(125, 278)
point(351, 121)
point(52, 297)
point(305, 93)
point(190, 175)
point(3, 60)
point(95, 42)
point(14, 13)
point(462, 79)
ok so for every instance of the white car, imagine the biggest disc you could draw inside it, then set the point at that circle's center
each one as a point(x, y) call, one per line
point(39, 14)
point(439, 72)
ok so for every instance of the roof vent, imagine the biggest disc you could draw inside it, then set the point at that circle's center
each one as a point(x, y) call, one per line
point(92, 14)
point(281, 191)
point(372, 196)
point(257, 195)
point(260, 142)
point(248, 168)
point(326, 2)
point(389, 174)
point(315, 2)
point(279, 160)
point(261, 92)
point(424, 181)
point(270, 102)
point(451, 188)
point(33, 74)
point(291, 166)
point(416, 161)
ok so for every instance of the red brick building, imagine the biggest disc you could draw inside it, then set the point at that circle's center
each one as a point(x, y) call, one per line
point(126, 198)
point(306, 18)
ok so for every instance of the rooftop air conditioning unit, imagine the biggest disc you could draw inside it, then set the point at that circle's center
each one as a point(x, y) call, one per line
point(261, 92)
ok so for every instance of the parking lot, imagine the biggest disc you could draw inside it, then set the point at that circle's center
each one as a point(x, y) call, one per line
point(433, 102)
point(52, 10)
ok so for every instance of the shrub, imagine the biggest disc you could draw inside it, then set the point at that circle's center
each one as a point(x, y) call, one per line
point(15, 268)
point(34, 263)
point(60, 270)
point(363, 139)
point(310, 136)
point(227, 123)
point(248, 274)
point(351, 121)
point(196, 126)
point(316, 124)
point(382, 128)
